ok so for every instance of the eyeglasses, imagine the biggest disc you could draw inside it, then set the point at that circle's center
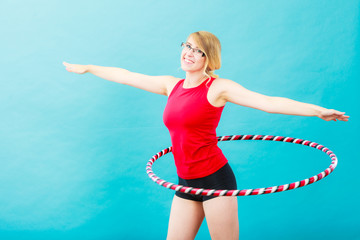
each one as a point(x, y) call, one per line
point(197, 52)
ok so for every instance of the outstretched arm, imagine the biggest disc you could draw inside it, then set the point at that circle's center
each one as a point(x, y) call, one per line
point(156, 84)
point(235, 93)
point(287, 106)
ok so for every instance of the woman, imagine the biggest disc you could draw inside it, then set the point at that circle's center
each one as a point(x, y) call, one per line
point(192, 114)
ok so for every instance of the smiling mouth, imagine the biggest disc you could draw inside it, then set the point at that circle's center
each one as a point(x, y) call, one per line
point(188, 61)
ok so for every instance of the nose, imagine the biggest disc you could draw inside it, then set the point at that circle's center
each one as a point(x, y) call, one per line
point(190, 53)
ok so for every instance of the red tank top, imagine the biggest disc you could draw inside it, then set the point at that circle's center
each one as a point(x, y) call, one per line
point(192, 122)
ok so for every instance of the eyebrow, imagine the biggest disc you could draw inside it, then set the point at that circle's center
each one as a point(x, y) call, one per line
point(191, 45)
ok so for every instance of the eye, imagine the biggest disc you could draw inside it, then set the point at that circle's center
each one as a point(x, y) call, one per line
point(199, 51)
point(188, 46)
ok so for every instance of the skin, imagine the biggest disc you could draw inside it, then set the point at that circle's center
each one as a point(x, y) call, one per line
point(222, 212)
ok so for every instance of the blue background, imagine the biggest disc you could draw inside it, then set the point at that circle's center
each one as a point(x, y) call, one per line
point(73, 148)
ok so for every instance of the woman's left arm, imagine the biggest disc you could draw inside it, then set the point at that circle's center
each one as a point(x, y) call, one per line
point(235, 93)
point(288, 106)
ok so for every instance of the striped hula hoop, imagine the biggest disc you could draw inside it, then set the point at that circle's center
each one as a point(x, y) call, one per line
point(246, 192)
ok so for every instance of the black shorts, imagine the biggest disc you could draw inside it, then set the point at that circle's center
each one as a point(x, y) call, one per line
point(223, 178)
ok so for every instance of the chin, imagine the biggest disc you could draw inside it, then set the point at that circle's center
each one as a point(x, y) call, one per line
point(185, 68)
point(189, 69)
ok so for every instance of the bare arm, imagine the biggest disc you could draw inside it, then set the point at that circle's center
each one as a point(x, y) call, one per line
point(156, 84)
point(291, 107)
point(235, 93)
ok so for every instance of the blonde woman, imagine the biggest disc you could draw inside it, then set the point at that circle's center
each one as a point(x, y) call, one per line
point(192, 114)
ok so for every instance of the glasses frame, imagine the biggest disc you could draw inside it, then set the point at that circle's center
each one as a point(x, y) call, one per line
point(188, 47)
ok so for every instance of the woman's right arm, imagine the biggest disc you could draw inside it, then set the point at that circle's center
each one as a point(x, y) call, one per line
point(155, 84)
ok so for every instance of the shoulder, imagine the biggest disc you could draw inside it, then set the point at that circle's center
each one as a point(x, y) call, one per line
point(167, 80)
point(171, 79)
point(218, 90)
point(223, 81)
point(222, 89)
point(171, 83)
point(222, 84)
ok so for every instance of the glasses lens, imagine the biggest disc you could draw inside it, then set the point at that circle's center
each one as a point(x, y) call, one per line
point(196, 52)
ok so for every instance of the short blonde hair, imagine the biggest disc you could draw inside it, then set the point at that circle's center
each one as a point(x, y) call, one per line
point(210, 45)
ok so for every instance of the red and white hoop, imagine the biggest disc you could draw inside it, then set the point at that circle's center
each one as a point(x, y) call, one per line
point(246, 192)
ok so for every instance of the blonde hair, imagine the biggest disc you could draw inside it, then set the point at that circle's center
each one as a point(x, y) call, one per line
point(210, 45)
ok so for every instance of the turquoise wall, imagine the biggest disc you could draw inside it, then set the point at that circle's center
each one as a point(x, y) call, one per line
point(73, 148)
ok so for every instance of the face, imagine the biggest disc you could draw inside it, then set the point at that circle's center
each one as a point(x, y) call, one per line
point(191, 62)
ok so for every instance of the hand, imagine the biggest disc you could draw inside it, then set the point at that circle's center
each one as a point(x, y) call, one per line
point(76, 68)
point(331, 114)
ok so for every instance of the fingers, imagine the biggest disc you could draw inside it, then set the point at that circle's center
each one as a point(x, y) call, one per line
point(75, 68)
point(334, 115)
point(340, 115)
point(343, 118)
point(68, 66)
point(337, 112)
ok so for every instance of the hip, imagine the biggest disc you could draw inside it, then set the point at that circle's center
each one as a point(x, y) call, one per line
point(223, 178)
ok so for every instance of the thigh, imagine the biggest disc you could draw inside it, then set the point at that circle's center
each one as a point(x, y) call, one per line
point(222, 217)
point(185, 220)
point(224, 178)
point(191, 183)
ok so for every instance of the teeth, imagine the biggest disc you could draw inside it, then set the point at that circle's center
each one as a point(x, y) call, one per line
point(188, 61)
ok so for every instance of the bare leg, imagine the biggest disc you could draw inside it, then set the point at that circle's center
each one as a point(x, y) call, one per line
point(222, 218)
point(186, 217)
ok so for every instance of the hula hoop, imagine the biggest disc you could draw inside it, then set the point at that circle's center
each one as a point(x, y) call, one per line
point(246, 192)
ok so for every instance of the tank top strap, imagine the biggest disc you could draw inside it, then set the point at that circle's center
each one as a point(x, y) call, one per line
point(209, 81)
point(176, 86)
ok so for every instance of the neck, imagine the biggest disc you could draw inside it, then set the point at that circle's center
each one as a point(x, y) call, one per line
point(194, 78)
